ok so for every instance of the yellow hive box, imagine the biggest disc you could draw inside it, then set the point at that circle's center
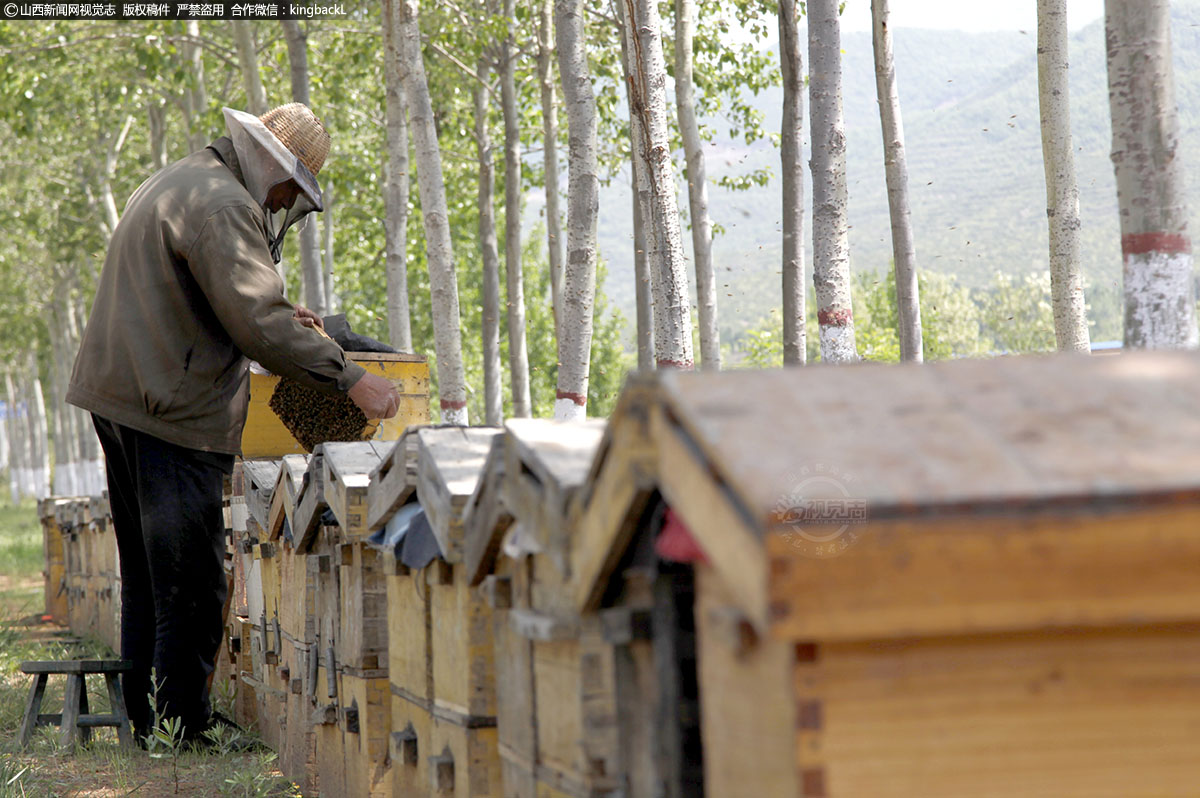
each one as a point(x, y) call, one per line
point(265, 435)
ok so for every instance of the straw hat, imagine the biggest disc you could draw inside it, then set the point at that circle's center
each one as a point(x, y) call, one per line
point(298, 129)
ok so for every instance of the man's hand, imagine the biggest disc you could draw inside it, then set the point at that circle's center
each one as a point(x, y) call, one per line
point(308, 318)
point(375, 396)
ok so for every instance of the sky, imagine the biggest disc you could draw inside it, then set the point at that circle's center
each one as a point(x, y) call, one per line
point(967, 15)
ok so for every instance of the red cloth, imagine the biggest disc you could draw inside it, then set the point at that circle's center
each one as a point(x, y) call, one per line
point(675, 542)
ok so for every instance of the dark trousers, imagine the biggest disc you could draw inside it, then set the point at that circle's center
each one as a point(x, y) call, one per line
point(166, 510)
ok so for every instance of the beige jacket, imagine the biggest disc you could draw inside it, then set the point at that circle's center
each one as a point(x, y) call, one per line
point(187, 294)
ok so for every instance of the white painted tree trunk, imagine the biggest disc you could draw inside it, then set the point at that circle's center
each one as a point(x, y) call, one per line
point(791, 159)
point(312, 286)
point(38, 432)
point(195, 94)
point(493, 398)
point(831, 240)
point(656, 184)
point(67, 471)
point(554, 242)
point(247, 52)
point(443, 284)
point(578, 290)
point(95, 479)
point(18, 439)
point(895, 164)
point(396, 182)
point(1160, 299)
point(1062, 188)
point(697, 179)
point(518, 354)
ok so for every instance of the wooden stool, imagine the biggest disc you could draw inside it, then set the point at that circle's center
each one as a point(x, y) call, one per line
point(75, 721)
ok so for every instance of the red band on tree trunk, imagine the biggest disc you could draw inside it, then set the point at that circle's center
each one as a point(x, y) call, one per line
point(1166, 243)
point(686, 365)
point(577, 398)
point(835, 318)
point(447, 404)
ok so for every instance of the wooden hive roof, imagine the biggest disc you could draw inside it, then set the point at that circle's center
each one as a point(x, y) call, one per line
point(955, 435)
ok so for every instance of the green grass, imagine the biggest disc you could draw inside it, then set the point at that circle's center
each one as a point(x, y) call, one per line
point(101, 768)
point(20, 540)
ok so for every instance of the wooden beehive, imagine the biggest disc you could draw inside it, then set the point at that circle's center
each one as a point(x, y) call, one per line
point(265, 435)
point(351, 713)
point(970, 578)
point(410, 665)
point(554, 679)
point(461, 746)
point(54, 571)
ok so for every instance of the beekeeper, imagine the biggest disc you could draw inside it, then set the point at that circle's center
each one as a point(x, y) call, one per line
point(187, 295)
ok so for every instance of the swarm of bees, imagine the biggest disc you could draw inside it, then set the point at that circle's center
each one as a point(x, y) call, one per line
point(314, 417)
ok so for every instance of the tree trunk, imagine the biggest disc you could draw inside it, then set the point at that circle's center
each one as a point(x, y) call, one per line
point(656, 184)
point(18, 439)
point(493, 400)
point(545, 56)
point(331, 301)
point(643, 298)
point(312, 282)
point(39, 436)
point(157, 117)
point(791, 159)
point(1062, 189)
point(578, 290)
point(1160, 298)
point(831, 241)
point(396, 183)
point(518, 352)
point(62, 482)
point(111, 155)
point(195, 94)
point(68, 471)
point(95, 479)
point(685, 102)
point(895, 164)
point(641, 277)
point(247, 51)
point(443, 284)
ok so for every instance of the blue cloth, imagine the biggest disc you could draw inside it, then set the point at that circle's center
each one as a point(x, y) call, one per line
point(391, 535)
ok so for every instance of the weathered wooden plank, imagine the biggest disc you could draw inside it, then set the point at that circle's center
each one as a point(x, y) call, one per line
point(348, 468)
point(964, 433)
point(556, 451)
point(1108, 712)
point(410, 620)
point(747, 708)
point(283, 498)
point(486, 519)
point(260, 478)
point(546, 462)
point(904, 578)
point(605, 512)
point(449, 463)
point(366, 722)
point(363, 623)
point(393, 480)
point(310, 502)
point(712, 512)
point(462, 649)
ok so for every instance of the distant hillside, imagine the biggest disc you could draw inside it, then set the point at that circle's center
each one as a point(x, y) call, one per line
point(971, 124)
